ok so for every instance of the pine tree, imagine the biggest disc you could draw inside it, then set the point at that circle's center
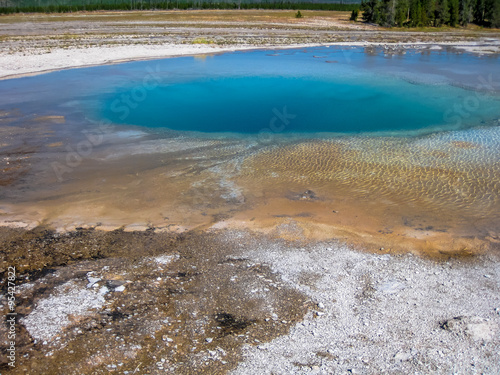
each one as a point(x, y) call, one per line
point(492, 14)
point(454, 13)
point(431, 6)
point(354, 15)
point(387, 12)
point(479, 12)
point(371, 11)
point(442, 13)
point(466, 13)
point(416, 13)
point(423, 14)
point(401, 14)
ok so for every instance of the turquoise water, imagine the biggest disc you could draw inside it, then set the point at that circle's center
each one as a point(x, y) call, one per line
point(334, 90)
point(285, 104)
point(301, 92)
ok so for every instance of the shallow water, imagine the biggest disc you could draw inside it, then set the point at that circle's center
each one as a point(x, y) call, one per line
point(399, 149)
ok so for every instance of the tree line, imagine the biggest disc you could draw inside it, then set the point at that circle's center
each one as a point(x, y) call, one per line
point(93, 5)
point(436, 13)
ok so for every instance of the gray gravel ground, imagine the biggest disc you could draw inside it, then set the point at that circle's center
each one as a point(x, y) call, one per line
point(247, 303)
point(382, 314)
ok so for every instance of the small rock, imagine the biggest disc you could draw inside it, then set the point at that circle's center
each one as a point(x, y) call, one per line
point(473, 326)
point(209, 339)
point(92, 281)
point(222, 351)
point(308, 194)
point(391, 287)
point(320, 313)
point(121, 288)
point(402, 356)
point(112, 284)
point(321, 305)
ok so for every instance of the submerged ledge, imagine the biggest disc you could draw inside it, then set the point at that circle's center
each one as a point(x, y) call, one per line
point(447, 205)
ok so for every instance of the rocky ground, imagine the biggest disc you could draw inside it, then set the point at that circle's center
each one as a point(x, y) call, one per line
point(93, 302)
point(140, 302)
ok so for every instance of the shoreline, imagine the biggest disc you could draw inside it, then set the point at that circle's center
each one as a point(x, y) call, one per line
point(97, 60)
point(117, 55)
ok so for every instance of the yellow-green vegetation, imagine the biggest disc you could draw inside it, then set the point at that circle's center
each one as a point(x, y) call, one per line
point(202, 41)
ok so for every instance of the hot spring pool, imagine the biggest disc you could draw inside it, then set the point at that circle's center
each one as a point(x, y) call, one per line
point(401, 147)
point(334, 90)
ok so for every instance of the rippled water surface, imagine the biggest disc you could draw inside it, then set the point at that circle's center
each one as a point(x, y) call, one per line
point(403, 145)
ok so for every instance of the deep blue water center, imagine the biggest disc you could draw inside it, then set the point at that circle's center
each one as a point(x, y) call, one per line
point(305, 91)
point(281, 104)
point(301, 91)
